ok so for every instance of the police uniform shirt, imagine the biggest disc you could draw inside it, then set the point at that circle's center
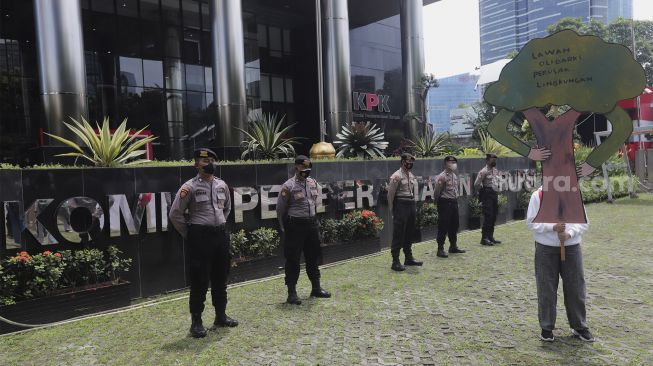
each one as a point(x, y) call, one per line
point(298, 198)
point(208, 203)
point(402, 185)
point(488, 178)
point(449, 189)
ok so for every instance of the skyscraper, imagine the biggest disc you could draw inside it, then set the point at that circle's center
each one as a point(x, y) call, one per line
point(506, 25)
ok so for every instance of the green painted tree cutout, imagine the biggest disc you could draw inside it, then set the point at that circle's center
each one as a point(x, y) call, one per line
point(565, 69)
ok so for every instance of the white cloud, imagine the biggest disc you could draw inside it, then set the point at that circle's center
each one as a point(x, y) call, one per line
point(451, 37)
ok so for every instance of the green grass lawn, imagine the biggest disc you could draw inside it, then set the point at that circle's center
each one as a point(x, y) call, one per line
point(477, 308)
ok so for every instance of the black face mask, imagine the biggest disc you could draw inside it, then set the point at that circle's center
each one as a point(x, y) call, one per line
point(493, 164)
point(408, 166)
point(208, 169)
point(305, 174)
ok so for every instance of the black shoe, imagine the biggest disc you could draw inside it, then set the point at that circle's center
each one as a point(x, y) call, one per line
point(547, 336)
point(397, 266)
point(583, 334)
point(487, 242)
point(224, 321)
point(442, 253)
point(494, 241)
point(320, 293)
point(455, 250)
point(197, 330)
point(293, 299)
point(410, 261)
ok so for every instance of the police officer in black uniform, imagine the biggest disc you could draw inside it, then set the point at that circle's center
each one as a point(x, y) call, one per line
point(401, 202)
point(296, 211)
point(446, 195)
point(487, 185)
point(199, 212)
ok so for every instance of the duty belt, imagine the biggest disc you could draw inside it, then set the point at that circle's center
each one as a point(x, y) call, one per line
point(404, 199)
point(301, 219)
point(218, 228)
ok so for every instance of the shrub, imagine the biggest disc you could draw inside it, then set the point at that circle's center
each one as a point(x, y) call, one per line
point(361, 139)
point(264, 241)
point(427, 215)
point(237, 243)
point(430, 144)
point(475, 209)
point(26, 276)
point(502, 201)
point(265, 138)
point(104, 148)
point(492, 146)
point(355, 225)
point(523, 199)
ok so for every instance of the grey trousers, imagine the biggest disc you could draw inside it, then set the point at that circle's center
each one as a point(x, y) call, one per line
point(548, 269)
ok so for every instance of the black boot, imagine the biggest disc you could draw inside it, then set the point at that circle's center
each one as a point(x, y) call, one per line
point(196, 328)
point(318, 291)
point(222, 320)
point(494, 241)
point(292, 296)
point(441, 252)
point(486, 241)
point(410, 260)
point(396, 263)
point(453, 248)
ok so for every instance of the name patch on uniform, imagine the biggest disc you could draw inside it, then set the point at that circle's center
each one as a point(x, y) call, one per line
point(201, 196)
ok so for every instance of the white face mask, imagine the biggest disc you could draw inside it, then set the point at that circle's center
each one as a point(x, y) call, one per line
point(453, 166)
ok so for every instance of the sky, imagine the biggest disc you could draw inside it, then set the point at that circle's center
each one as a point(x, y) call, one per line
point(451, 35)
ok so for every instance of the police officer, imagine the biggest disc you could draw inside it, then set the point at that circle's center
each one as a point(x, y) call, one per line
point(487, 185)
point(296, 211)
point(446, 195)
point(207, 201)
point(401, 202)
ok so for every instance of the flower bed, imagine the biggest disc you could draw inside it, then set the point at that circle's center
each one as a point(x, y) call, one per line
point(354, 226)
point(57, 280)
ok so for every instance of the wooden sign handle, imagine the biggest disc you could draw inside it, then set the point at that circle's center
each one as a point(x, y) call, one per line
point(562, 250)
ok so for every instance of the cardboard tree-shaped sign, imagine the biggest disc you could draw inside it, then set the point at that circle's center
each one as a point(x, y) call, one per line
point(584, 73)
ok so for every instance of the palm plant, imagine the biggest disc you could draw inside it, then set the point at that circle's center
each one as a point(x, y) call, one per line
point(103, 148)
point(492, 146)
point(429, 145)
point(362, 140)
point(264, 138)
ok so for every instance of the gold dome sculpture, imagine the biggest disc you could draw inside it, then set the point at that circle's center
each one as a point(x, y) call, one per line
point(322, 150)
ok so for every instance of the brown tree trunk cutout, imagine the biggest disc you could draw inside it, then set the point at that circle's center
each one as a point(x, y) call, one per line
point(561, 197)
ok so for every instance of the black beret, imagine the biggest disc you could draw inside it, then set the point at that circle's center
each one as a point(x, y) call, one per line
point(205, 153)
point(490, 156)
point(407, 156)
point(303, 160)
point(450, 158)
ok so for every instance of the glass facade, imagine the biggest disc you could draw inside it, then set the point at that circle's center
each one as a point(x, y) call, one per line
point(453, 92)
point(376, 69)
point(150, 61)
point(506, 25)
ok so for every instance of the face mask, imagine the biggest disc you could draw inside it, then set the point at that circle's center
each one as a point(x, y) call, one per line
point(453, 166)
point(493, 164)
point(208, 169)
point(408, 166)
point(305, 174)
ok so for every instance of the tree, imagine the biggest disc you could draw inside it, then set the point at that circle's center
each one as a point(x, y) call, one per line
point(619, 31)
point(427, 82)
point(587, 75)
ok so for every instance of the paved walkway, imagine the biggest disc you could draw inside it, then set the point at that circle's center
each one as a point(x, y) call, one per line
point(473, 309)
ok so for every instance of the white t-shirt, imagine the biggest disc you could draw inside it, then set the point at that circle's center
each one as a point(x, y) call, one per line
point(543, 233)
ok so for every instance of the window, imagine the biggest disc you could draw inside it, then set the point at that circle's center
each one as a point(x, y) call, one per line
point(153, 73)
point(131, 71)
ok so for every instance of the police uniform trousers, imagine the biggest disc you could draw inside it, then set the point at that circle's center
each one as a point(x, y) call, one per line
point(404, 212)
point(447, 221)
point(302, 235)
point(208, 253)
point(489, 200)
